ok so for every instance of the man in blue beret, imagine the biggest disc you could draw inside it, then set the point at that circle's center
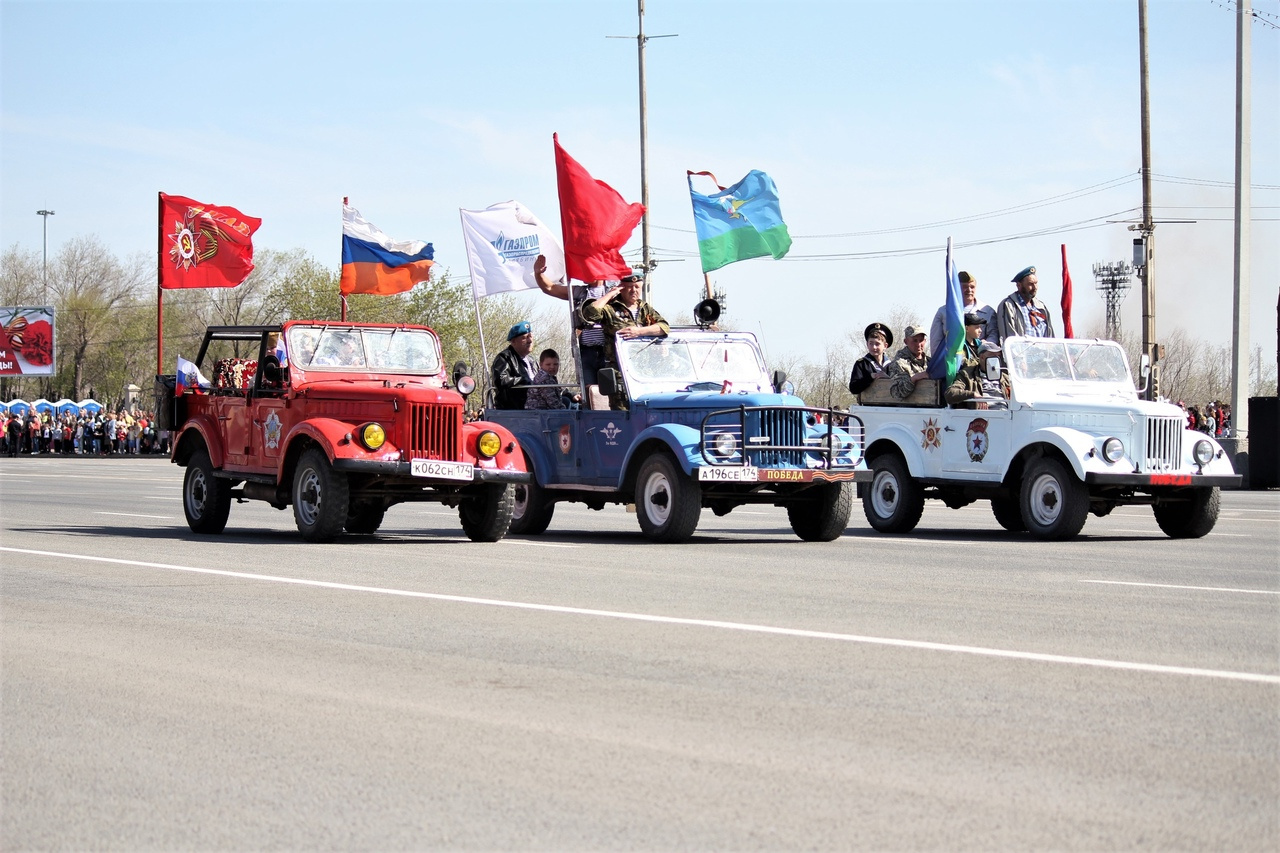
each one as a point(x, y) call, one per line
point(513, 368)
point(1020, 313)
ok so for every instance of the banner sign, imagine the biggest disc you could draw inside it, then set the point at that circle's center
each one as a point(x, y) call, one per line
point(26, 341)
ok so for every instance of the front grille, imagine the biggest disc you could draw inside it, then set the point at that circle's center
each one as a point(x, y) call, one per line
point(783, 437)
point(435, 431)
point(782, 428)
point(1164, 445)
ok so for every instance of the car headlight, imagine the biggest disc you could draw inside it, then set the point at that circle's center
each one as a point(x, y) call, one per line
point(488, 444)
point(1203, 452)
point(371, 436)
point(724, 445)
point(1113, 450)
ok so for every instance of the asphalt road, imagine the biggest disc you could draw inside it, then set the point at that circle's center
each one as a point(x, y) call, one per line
point(959, 688)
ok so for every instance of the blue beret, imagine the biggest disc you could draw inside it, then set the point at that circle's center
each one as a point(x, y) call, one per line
point(1020, 276)
point(521, 328)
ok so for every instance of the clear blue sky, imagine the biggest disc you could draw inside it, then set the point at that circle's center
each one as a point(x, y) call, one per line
point(872, 117)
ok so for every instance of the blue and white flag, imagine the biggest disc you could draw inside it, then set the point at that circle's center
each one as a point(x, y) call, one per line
point(503, 240)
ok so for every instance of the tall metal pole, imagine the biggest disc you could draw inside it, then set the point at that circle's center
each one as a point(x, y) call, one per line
point(1240, 335)
point(644, 165)
point(44, 269)
point(1148, 226)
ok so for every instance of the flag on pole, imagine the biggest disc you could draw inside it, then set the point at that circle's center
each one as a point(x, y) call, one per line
point(1066, 296)
point(945, 361)
point(741, 222)
point(189, 376)
point(207, 246)
point(596, 221)
point(374, 263)
point(502, 242)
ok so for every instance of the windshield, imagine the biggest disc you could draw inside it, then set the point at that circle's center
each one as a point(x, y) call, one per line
point(362, 349)
point(676, 363)
point(1072, 361)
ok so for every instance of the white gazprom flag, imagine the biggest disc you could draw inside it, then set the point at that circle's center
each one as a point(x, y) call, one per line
point(502, 242)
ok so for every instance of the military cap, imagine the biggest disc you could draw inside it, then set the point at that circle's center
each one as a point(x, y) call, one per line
point(1026, 272)
point(521, 328)
point(965, 278)
point(882, 329)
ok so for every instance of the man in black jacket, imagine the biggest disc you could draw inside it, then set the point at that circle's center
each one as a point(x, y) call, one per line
point(513, 368)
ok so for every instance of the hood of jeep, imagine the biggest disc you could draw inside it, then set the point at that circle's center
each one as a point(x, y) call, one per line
point(378, 390)
point(712, 401)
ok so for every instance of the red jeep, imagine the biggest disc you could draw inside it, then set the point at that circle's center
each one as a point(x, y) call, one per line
point(342, 421)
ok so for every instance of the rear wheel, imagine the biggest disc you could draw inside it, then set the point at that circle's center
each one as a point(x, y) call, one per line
point(486, 517)
point(206, 499)
point(1054, 503)
point(1192, 518)
point(1008, 514)
point(668, 502)
point(321, 497)
point(532, 512)
point(365, 519)
point(893, 502)
point(825, 519)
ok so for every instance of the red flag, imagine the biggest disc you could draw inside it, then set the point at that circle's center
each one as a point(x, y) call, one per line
point(595, 219)
point(203, 245)
point(1066, 296)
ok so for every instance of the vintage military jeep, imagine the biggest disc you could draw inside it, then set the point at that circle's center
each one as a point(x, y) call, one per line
point(705, 427)
point(340, 420)
point(1071, 438)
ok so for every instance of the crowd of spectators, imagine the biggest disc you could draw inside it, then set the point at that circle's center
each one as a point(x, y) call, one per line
point(131, 433)
point(1212, 419)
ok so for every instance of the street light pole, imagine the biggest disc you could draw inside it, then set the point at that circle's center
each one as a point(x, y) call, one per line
point(44, 270)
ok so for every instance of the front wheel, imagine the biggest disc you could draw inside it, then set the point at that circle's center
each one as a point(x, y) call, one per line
point(206, 499)
point(1192, 518)
point(321, 497)
point(1054, 502)
point(825, 519)
point(668, 501)
point(486, 517)
point(893, 502)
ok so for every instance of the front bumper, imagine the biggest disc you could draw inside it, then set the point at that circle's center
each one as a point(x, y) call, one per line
point(1152, 481)
point(403, 470)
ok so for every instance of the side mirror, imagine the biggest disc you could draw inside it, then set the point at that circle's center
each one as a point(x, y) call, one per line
point(1144, 371)
point(779, 380)
point(993, 369)
point(462, 379)
point(607, 380)
point(270, 369)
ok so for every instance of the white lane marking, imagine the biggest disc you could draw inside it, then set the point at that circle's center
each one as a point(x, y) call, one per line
point(1179, 586)
point(1102, 663)
point(135, 515)
point(523, 542)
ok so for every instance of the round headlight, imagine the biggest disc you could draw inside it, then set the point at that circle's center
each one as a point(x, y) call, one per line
point(1203, 452)
point(488, 444)
point(372, 436)
point(466, 385)
point(1113, 450)
point(724, 444)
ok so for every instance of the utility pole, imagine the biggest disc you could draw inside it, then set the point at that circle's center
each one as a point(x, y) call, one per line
point(44, 269)
point(1144, 248)
point(1240, 333)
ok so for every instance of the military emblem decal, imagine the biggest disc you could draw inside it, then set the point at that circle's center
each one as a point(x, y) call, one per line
point(271, 431)
point(976, 441)
point(931, 434)
point(566, 439)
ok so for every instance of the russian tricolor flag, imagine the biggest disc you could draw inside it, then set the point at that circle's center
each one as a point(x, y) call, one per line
point(374, 263)
point(189, 376)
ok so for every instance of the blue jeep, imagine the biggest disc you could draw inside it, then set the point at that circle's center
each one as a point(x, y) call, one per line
point(706, 427)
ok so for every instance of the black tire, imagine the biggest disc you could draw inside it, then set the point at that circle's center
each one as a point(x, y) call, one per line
point(1190, 519)
point(206, 499)
point(668, 501)
point(321, 497)
point(1054, 502)
point(364, 520)
point(487, 517)
point(1008, 514)
point(532, 511)
point(893, 502)
point(826, 519)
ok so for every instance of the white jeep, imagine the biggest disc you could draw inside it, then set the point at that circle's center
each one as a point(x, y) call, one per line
point(1072, 437)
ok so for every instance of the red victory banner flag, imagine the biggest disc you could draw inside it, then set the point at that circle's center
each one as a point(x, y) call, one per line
point(596, 222)
point(1066, 296)
point(203, 245)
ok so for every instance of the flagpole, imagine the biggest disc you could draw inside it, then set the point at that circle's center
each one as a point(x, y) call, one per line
point(475, 303)
point(342, 297)
point(159, 288)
